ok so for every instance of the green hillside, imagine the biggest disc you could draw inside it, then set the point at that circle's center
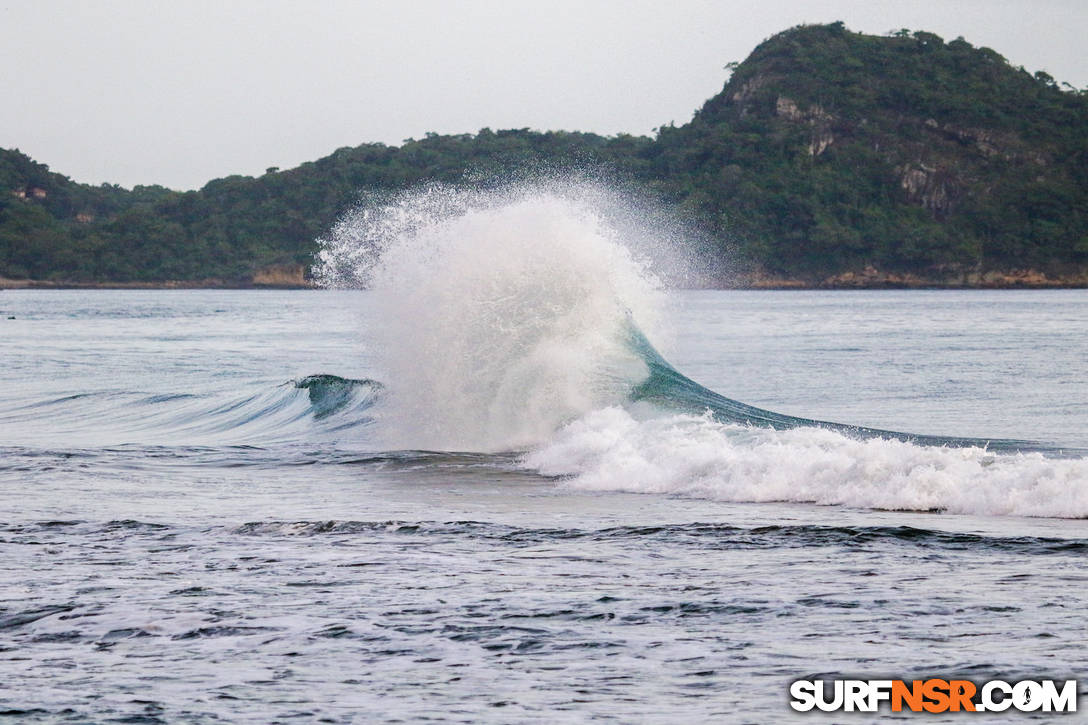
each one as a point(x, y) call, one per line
point(829, 151)
point(829, 157)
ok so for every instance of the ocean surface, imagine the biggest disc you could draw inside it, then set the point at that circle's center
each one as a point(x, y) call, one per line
point(229, 506)
point(516, 479)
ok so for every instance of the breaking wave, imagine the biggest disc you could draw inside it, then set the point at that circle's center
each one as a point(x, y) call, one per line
point(511, 329)
point(614, 449)
point(500, 315)
point(520, 320)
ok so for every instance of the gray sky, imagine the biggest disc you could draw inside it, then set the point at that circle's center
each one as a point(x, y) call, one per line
point(183, 91)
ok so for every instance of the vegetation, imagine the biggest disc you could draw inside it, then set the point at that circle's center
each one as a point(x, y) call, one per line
point(830, 150)
point(826, 153)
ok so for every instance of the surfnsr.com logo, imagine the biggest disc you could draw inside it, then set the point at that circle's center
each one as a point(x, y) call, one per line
point(934, 695)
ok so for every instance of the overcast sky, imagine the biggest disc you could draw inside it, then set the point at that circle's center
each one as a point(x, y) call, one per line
point(183, 91)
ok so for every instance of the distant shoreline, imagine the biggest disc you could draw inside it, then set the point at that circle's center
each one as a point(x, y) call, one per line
point(770, 284)
point(6, 284)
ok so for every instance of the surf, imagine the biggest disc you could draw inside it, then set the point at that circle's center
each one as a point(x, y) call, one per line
point(501, 314)
point(520, 319)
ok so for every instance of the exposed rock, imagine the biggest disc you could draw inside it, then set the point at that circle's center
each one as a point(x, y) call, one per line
point(283, 275)
point(786, 108)
point(930, 186)
point(815, 116)
point(870, 276)
point(987, 142)
point(820, 141)
point(955, 277)
point(749, 87)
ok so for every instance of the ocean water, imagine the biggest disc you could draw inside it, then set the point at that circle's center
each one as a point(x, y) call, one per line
point(515, 481)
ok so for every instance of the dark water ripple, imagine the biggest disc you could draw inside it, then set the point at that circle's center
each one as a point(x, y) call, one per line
point(410, 620)
point(707, 535)
point(693, 534)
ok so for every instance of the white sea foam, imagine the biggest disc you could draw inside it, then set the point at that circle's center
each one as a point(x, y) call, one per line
point(615, 449)
point(502, 314)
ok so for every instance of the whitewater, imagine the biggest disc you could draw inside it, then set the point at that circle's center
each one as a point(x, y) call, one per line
point(520, 320)
point(506, 467)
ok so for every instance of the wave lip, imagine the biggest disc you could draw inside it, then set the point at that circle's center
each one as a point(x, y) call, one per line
point(331, 394)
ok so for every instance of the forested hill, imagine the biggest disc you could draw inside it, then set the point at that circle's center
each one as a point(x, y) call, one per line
point(238, 227)
point(830, 157)
point(829, 151)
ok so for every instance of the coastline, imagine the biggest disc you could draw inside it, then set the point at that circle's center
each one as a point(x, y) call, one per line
point(6, 284)
point(288, 276)
point(868, 279)
point(1026, 279)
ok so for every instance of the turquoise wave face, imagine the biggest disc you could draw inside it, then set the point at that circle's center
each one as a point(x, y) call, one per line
point(326, 408)
point(323, 405)
point(668, 389)
point(331, 394)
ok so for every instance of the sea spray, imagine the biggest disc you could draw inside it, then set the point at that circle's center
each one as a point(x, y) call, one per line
point(502, 314)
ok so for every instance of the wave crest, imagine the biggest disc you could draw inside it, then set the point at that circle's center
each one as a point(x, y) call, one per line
point(502, 315)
